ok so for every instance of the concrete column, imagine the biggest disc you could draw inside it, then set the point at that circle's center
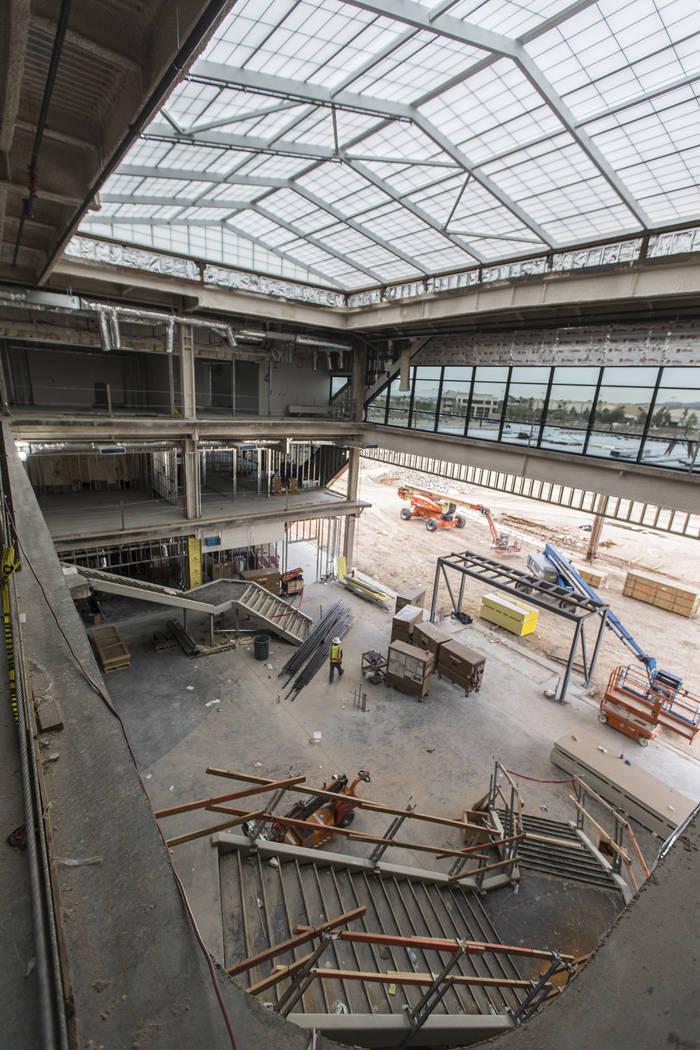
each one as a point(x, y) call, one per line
point(359, 365)
point(187, 385)
point(597, 529)
point(193, 500)
point(351, 520)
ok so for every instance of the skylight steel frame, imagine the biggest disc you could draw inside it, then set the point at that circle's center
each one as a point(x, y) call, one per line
point(311, 134)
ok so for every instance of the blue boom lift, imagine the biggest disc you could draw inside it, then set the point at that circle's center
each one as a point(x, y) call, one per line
point(567, 576)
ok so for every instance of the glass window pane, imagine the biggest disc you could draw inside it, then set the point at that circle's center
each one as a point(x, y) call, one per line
point(680, 377)
point(568, 415)
point(491, 375)
point(622, 409)
point(630, 377)
point(524, 412)
point(425, 397)
point(457, 374)
point(576, 375)
point(486, 408)
point(376, 408)
point(399, 403)
point(674, 428)
point(453, 404)
point(524, 374)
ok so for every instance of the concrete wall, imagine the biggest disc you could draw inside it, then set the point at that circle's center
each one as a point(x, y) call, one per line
point(293, 385)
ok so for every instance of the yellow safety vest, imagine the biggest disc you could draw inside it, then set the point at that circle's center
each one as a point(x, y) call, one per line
point(336, 654)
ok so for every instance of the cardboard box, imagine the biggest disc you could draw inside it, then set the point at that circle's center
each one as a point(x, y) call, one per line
point(514, 615)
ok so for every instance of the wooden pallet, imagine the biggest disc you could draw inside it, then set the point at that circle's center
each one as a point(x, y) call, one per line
point(163, 641)
point(110, 648)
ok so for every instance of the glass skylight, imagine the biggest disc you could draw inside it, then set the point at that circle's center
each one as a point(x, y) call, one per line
point(338, 142)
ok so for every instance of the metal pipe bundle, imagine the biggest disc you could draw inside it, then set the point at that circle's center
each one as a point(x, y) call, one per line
point(309, 645)
point(311, 657)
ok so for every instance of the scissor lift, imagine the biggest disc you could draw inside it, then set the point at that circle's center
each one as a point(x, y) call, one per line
point(641, 707)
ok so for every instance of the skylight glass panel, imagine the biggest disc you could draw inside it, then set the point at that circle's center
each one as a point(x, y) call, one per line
point(416, 67)
point(495, 109)
point(248, 25)
point(147, 154)
point(189, 100)
point(373, 36)
point(271, 165)
point(181, 155)
point(618, 45)
point(510, 17)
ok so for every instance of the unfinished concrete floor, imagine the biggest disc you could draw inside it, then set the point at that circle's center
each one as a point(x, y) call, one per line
point(77, 515)
point(229, 711)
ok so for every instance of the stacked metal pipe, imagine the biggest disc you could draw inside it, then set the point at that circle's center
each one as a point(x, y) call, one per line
point(313, 653)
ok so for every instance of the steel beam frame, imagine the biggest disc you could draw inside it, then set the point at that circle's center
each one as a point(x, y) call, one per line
point(547, 596)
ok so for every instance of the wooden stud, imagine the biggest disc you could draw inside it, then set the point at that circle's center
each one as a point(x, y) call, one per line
point(360, 802)
point(204, 803)
point(309, 933)
point(442, 944)
point(211, 830)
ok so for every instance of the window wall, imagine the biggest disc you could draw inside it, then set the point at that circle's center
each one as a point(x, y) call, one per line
point(634, 414)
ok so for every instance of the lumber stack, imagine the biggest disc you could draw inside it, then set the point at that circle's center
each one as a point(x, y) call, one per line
point(655, 590)
point(462, 665)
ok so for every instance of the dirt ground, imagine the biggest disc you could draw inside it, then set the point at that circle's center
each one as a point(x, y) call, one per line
point(403, 554)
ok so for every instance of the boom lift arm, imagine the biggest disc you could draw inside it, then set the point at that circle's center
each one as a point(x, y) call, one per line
point(568, 576)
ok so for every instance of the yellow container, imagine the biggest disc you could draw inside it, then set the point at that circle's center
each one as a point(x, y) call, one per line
point(516, 616)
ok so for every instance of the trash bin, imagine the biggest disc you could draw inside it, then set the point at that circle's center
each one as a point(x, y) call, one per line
point(261, 645)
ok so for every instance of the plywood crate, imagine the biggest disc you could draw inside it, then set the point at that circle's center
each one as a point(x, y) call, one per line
point(411, 596)
point(593, 577)
point(403, 622)
point(512, 614)
point(462, 665)
point(658, 591)
point(409, 668)
point(431, 637)
point(110, 648)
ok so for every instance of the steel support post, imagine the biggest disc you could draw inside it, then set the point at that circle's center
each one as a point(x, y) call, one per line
point(259, 825)
point(569, 663)
point(304, 978)
point(436, 586)
point(596, 647)
point(391, 832)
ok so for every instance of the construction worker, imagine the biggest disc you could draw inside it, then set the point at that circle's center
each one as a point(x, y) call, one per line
point(336, 659)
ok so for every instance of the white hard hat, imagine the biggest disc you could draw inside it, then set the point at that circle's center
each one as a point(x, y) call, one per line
point(336, 641)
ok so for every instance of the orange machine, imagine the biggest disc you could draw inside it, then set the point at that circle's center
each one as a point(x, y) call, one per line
point(640, 707)
point(323, 812)
point(440, 513)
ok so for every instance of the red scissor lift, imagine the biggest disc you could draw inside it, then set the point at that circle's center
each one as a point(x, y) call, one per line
point(641, 707)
